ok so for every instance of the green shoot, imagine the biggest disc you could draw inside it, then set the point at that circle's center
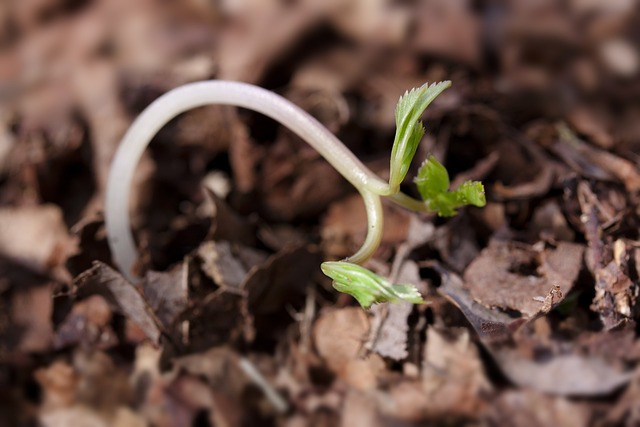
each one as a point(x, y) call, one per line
point(366, 286)
point(409, 130)
point(433, 186)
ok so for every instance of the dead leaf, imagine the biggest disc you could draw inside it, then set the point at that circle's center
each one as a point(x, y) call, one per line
point(92, 245)
point(584, 158)
point(88, 324)
point(509, 276)
point(528, 408)
point(556, 367)
point(227, 224)
point(32, 313)
point(490, 325)
point(101, 384)
point(35, 236)
point(562, 374)
point(593, 124)
point(453, 377)
point(75, 415)
point(625, 410)
point(59, 382)
point(549, 222)
point(219, 263)
point(448, 28)
point(289, 180)
point(280, 278)
point(537, 186)
point(339, 336)
point(391, 336)
point(616, 295)
point(122, 295)
point(360, 410)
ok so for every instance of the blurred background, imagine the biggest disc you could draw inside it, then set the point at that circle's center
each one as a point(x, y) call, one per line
point(544, 97)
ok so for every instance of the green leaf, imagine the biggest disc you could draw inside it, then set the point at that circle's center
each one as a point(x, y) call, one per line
point(432, 178)
point(471, 193)
point(409, 131)
point(446, 203)
point(367, 287)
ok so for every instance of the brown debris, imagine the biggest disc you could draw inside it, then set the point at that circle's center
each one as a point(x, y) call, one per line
point(166, 294)
point(532, 409)
point(35, 236)
point(597, 163)
point(616, 294)
point(122, 296)
point(553, 297)
point(453, 376)
point(339, 336)
point(551, 366)
point(509, 276)
point(88, 324)
point(390, 324)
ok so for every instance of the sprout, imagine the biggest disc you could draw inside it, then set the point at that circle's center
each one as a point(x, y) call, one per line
point(365, 286)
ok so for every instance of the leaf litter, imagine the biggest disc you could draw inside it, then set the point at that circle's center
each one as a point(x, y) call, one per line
point(532, 301)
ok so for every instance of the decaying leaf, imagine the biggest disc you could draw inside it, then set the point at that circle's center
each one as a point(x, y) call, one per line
point(226, 224)
point(569, 374)
point(339, 336)
point(533, 409)
point(123, 297)
point(221, 265)
point(617, 295)
point(35, 236)
point(281, 279)
point(556, 367)
point(509, 276)
point(87, 324)
point(167, 294)
point(390, 337)
point(453, 375)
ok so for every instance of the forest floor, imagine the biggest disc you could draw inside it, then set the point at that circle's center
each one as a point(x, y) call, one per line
point(533, 300)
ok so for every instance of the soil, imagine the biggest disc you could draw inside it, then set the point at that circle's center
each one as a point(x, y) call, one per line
point(533, 301)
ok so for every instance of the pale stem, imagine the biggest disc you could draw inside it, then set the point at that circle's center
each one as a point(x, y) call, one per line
point(375, 218)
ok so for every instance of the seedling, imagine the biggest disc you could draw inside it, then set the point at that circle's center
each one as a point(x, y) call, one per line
point(348, 276)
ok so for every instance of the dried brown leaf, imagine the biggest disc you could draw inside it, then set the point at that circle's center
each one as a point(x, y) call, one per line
point(454, 379)
point(32, 311)
point(562, 374)
point(226, 224)
point(557, 367)
point(123, 297)
point(222, 265)
point(391, 335)
point(281, 279)
point(339, 336)
point(528, 408)
point(35, 236)
point(166, 294)
point(88, 324)
point(510, 276)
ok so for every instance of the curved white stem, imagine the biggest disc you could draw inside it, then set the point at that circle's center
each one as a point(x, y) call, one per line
point(198, 94)
point(375, 218)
